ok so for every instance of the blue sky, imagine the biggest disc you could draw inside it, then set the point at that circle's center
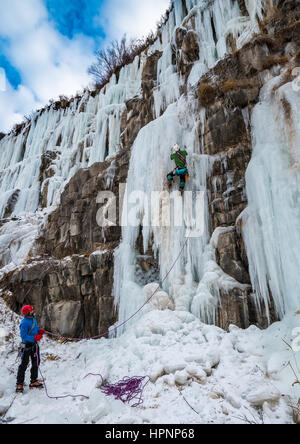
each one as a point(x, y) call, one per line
point(76, 16)
point(12, 74)
point(46, 46)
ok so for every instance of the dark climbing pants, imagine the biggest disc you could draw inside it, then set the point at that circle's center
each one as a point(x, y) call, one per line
point(30, 352)
point(182, 174)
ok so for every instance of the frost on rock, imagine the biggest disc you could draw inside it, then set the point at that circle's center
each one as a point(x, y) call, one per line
point(16, 240)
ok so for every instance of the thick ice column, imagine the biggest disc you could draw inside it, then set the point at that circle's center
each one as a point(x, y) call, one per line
point(150, 164)
point(195, 279)
point(272, 221)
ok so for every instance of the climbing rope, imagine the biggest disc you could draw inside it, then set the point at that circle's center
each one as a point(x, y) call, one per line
point(132, 316)
point(126, 390)
point(44, 381)
point(3, 420)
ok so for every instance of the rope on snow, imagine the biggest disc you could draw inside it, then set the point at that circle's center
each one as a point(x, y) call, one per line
point(128, 389)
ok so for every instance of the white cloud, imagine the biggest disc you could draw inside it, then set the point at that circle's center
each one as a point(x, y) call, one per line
point(135, 18)
point(14, 104)
point(17, 19)
point(49, 63)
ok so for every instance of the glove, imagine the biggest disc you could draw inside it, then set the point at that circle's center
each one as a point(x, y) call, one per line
point(38, 338)
point(42, 332)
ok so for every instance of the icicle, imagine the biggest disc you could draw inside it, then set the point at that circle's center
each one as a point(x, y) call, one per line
point(272, 221)
point(88, 131)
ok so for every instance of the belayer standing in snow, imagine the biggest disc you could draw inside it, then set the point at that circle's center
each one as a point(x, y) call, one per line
point(31, 335)
point(179, 156)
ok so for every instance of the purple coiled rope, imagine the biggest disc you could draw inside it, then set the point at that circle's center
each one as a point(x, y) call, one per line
point(126, 390)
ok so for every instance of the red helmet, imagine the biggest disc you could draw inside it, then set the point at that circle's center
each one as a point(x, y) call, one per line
point(27, 309)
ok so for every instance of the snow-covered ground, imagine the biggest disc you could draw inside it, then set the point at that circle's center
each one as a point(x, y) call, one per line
point(199, 374)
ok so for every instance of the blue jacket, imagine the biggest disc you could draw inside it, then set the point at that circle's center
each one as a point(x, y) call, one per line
point(27, 332)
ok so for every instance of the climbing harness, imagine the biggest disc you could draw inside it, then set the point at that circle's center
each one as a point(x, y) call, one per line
point(23, 348)
point(181, 171)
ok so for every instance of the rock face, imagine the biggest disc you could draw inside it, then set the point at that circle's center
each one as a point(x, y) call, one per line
point(71, 281)
point(236, 85)
point(69, 274)
point(46, 171)
point(139, 111)
point(188, 50)
point(11, 204)
point(76, 258)
point(70, 296)
point(229, 257)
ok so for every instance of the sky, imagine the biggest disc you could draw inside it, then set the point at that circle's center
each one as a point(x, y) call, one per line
point(46, 46)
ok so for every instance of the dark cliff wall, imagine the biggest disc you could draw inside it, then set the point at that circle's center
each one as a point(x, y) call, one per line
point(69, 283)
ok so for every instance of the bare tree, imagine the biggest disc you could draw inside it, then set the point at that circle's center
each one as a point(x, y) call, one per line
point(114, 57)
point(120, 53)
